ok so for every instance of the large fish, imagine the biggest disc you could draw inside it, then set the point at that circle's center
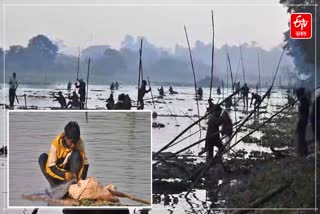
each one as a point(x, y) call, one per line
point(61, 190)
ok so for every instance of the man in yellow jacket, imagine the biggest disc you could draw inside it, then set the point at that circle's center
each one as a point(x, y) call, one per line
point(66, 159)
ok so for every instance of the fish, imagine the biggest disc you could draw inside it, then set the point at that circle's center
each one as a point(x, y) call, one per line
point(61, 190)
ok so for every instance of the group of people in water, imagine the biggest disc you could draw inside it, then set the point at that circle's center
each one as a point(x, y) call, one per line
point(75, 101)
point(124, 102)
point(114, 86)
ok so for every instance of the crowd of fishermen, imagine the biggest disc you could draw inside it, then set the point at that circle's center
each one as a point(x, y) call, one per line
point(220, 124)
point(75, 100)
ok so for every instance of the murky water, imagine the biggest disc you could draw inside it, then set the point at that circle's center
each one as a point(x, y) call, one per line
point(118, 146)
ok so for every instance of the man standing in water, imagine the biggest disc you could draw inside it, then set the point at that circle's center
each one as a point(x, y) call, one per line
point(82, 92)
point(13, 85)
point(245, 96)
point(66, 159)
point(213, 135)
point(161, 91)
point(142, 91)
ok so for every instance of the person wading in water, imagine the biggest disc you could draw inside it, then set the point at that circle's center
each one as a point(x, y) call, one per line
point(13, 85)
point(141, 93)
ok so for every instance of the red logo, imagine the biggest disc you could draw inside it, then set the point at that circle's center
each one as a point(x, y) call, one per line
point(301, 26)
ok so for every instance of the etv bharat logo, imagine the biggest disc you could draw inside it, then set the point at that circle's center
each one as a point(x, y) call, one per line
point(301, 25)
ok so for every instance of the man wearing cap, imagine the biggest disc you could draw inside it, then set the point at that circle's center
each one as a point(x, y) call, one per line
point(66, 159)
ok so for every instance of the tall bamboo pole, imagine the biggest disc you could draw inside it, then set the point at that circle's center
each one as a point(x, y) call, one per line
point(212, 54)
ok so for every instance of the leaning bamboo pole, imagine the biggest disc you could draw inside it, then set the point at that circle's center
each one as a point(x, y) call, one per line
point(217, 157)
point(194, 75)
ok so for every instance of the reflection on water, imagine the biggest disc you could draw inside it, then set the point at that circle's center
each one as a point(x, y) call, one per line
point(117, 144)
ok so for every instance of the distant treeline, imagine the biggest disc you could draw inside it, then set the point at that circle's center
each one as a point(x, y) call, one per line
point(42, 61)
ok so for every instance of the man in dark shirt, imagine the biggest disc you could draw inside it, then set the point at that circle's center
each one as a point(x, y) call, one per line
point(142, 91)
point(74, 100)
point(256, 98)
point(245, 94)
point(213, 135)
point(82, 92)
point(61, 100)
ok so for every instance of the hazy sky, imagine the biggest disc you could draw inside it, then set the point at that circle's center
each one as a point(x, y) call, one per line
point(162, 25)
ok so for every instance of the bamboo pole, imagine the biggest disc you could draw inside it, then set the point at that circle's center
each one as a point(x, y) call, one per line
point(88, 83)
point(230, 71)
point(191, 125)
point(217, 158)
point(247, 118)
point(140, 66)
point(151, 93)
point(25, 101)
point(78, 66)
point(227, 67)
point(191, 145)
point(194, 74)
point(47, 199)
point(212, 54)
point(259, 74)
point(236, 78)
point(243, 73)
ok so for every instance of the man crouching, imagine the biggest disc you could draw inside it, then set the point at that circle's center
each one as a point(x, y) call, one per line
point(66, 159)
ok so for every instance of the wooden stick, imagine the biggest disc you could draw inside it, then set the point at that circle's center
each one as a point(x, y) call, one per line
point(230, 70)
point(25, 101)
point(255, 108)
point(236, 78)
point(243, 73)
point(191, 145)
point(88, 83)
point(227, 67)
point(16, 96)
point(179, 135)
point(151, 93)
point(194, 74)
point(264, 96)
point(190, 118)
point(212, 54)
point(184, 138)
point(126, 195)
point(47, 199)
point(191, 125)
point(259, 74)
point(78, 66)
point(140, 65)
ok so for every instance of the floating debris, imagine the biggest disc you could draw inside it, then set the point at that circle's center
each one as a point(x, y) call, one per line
point(157, 125)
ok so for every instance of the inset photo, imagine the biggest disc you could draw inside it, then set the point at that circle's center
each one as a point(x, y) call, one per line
point(79, 158)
